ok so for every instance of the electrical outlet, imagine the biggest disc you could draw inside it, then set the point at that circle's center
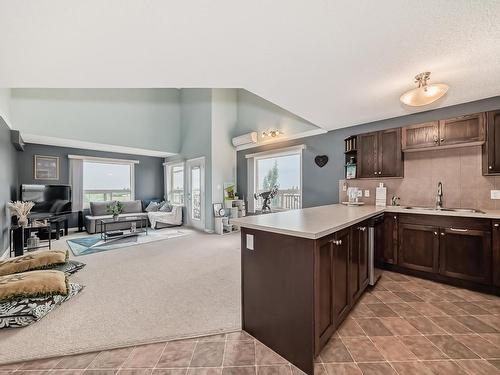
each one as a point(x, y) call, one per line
point(495, 194)
point(367, 193)
point(250, 241)
point(360, 193)
point(344, 186)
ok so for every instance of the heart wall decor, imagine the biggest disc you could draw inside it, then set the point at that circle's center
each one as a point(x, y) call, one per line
point(321, 160)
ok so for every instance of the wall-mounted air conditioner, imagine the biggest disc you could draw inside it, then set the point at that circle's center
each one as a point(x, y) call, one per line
point(245, 139)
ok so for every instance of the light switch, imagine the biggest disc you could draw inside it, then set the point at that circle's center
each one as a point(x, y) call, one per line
point(250, 241)
point(367, 193)
point(495, 194)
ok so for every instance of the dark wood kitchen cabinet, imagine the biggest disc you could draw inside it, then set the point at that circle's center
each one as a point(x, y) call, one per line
point(465, 130)
point(418, 247)
point(358, 261)
point(495, 253)
point(491, 149)
point(419, 136)
point(386, 246)
point(462, 130)
point(379, 154)
point(367, 155)
point(465, 254)
point(342, 277)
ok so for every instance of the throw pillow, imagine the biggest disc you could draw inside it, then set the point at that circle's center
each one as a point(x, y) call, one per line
point(33, 284)
point(33, 261)
point(152, 207)
point(70, 267)
point(167, 207)
point(25, 311)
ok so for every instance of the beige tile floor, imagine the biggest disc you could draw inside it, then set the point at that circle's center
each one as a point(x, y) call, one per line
point(403, 326)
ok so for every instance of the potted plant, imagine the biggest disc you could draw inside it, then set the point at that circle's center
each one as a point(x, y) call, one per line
point(114, 209)
point(21, 210)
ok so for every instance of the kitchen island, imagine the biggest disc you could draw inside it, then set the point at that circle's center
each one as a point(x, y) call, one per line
point(302, 272)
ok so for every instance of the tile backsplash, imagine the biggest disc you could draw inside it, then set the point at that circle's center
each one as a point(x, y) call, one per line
point(459, 170)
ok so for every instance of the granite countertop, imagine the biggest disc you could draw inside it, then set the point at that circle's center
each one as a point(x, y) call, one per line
point(317, 222)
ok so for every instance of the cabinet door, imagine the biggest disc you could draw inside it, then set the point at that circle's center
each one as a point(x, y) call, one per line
point(463, 129)
point(325, 320)
point(367, 155)
point(491, 150)
point(465, 254)
point(495, 247)
point(418, 247)
point(421, 135)
point(388, 250)
point(358, 261)
point(341, 245)
point(389, 153)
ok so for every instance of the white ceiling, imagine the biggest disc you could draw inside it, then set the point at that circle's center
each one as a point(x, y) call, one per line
point(335, 63)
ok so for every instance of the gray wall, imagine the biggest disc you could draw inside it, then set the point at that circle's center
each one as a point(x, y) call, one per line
point(148, 173)
point(320, 185)
point(141, 118)
point(8, 182)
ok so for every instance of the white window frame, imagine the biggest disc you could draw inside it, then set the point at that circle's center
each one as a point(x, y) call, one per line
point(97, 160)
point(168, 167)
point(253, 174)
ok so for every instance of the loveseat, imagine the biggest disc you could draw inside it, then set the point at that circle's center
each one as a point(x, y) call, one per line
point(98, 212)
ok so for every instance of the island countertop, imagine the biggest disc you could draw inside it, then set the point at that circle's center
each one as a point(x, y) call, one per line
point(312, 223)
point(317, 222)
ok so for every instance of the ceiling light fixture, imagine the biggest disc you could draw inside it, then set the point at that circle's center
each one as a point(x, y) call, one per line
point(425, 93)
point(271, 133)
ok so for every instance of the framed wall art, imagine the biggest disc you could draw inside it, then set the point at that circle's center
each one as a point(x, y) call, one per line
point(46, 167)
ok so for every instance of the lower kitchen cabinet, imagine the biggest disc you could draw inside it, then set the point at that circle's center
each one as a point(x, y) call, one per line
point(418, 247)
point(459, 250)
point(465, 254)
point(358, 261)
point(495, 249)
point(386, 246)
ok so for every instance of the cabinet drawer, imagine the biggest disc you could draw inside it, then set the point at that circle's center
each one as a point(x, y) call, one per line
point(441, 221)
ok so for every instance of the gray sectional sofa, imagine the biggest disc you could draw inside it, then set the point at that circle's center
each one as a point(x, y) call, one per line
point(98, 212)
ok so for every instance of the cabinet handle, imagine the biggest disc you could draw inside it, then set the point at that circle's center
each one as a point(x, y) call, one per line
point(379, 172)
point(458, 230)
point(490, 167)
point(496, 225)
point(362, 229)
point(375, 172)
point(442, 233)
point(336, 242)
point(435, 233)
point(442, 140)
point(395, 217)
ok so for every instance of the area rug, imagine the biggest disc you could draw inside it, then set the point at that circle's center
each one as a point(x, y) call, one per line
point(163, 290)
point(94, 243)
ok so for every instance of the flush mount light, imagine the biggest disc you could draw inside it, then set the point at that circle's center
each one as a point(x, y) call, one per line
point(271, 133)
point(425, 93)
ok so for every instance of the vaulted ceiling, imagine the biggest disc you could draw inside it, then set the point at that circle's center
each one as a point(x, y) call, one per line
point(334, 63)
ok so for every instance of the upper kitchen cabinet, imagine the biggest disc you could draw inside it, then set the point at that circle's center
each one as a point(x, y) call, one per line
point(460, 131)
point(491, 149)
point(421, 136)
point(463, 129)
point(379, 154)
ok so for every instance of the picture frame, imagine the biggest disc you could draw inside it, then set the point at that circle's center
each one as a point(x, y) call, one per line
point(46, 167)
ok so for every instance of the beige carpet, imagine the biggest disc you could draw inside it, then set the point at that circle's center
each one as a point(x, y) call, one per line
point(180, 287)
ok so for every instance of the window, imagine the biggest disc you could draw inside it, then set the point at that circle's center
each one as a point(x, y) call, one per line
point(284, 170)
point(175, 183)
point(106, 181)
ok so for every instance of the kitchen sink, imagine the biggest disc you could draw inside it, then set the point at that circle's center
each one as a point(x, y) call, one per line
point(468, 210)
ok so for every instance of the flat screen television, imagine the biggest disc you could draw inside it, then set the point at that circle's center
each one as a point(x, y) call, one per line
point(48, 199)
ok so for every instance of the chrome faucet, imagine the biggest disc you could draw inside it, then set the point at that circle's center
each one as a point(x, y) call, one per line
point(439, 196)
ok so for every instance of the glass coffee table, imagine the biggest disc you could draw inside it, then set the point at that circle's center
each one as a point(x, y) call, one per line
point(138, 225)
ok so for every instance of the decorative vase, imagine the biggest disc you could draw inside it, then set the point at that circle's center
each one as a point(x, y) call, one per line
point(22, 221)
point(115, 217)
